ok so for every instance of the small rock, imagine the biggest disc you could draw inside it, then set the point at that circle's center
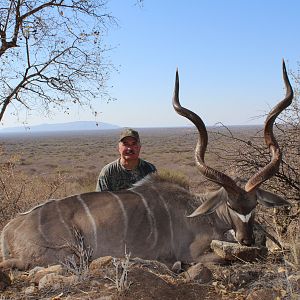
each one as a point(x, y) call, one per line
point(56, 281)
point(55, 269)
point(156, 267)
point(100, 263)
point(263, 294)
point(33, 271)
point(233, 251)
point(30, 290)
point(198, 272)
point(39, 273)
point(4, 281)
point(241, 279)
point(295, 281)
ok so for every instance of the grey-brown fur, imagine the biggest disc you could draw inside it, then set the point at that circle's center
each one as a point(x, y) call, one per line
point(42, 236)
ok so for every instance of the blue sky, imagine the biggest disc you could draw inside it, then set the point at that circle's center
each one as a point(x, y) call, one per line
point(228, 53)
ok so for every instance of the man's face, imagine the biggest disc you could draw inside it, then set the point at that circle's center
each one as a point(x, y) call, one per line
point(129, 148)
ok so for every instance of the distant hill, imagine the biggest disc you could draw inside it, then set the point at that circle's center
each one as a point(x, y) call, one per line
point(71, 126)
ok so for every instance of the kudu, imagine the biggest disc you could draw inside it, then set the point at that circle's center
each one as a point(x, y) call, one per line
point(155, 219)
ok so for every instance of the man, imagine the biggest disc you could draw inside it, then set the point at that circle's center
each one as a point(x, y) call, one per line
point(129, 168)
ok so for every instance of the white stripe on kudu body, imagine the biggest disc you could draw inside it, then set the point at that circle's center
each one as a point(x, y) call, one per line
point(168, 212)
point(91, 218)
point(123, 211)
point(151, 218)
point(40, 228)
point(4, 246)
point(61, 218)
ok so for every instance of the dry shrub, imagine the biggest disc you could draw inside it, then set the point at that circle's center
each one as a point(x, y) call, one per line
point(86, 182)
point(19, 191)
point(121, 273)
point(294, 244)
point(78, 262)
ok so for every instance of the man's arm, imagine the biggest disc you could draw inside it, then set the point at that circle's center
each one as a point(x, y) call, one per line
point(148, 167)
point(102, 183)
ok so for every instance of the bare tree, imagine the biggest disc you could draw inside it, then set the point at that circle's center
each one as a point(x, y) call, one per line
point(52, 54)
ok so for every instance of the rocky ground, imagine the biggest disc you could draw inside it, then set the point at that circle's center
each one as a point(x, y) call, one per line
point(132, 278)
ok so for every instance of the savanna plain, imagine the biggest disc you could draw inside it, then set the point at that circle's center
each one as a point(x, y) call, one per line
point(36, 167)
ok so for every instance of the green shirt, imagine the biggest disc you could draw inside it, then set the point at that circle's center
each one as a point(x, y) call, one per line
point(114, 176)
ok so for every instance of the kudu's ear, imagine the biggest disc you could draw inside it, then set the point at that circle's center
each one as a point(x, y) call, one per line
point(214, 199)
point(269, 199)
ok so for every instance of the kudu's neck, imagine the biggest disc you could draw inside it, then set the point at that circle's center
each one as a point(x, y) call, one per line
point(220, 217)
point(223, 218)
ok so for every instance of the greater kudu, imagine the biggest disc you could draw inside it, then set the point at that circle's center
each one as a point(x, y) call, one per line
point(155, 219)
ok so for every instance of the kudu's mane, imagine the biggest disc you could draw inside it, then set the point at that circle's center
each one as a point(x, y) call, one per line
point(157, 179)
point(173, 191)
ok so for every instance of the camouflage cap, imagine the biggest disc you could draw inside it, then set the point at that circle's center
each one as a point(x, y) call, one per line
point(129, 132)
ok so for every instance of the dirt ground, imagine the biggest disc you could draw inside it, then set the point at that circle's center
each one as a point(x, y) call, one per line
point(76, 159)
point(261, 280)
